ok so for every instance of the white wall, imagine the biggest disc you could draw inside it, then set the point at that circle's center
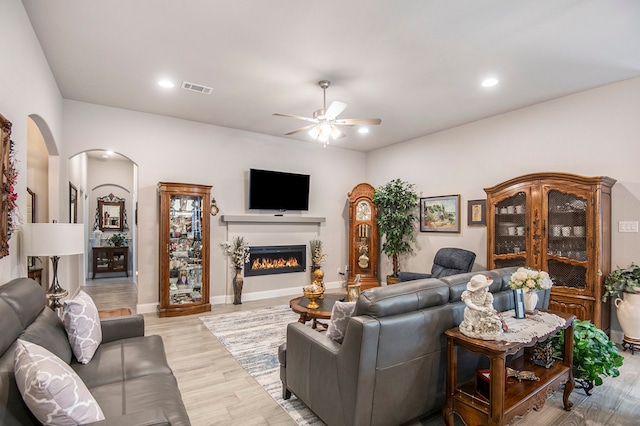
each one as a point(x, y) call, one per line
point(26, 87)
point(592, 133)
point(173, 150)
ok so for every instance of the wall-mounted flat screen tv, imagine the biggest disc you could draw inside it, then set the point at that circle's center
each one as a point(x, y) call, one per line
point(273, 190)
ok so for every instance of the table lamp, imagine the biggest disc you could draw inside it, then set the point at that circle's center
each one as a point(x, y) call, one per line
point(53, 240)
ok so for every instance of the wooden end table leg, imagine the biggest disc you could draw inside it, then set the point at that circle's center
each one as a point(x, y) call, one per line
point(496, 402)
point(452, 374)
point(303, 318)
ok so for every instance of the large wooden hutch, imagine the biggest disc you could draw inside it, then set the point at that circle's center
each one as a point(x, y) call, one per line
point(559, 223)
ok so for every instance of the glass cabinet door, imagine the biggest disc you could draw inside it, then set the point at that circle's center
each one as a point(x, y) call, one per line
point(511, 231)
point(566, 248)
point(185, 249)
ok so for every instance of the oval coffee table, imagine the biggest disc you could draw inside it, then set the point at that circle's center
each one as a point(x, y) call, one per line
point(323, 312)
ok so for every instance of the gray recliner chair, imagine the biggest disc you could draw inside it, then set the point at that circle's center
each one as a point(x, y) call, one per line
point(447, 261)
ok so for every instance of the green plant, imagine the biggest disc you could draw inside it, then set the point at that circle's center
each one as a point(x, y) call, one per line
point(594, 355)
point(117, 239)
point(396, 203)
point(621, 280)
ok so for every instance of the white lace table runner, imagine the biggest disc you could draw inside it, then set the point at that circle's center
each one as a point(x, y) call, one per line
point(534, 325)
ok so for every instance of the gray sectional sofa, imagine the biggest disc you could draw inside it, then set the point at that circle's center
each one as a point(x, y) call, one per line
point(391, 366)
point(128, 376)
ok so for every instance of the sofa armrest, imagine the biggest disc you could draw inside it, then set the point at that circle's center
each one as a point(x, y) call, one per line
point(302, 334)
point(141, 418)
point(117, 328)
point(410, 276)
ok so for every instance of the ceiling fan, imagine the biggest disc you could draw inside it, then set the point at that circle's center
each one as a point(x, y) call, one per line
point(325, 120)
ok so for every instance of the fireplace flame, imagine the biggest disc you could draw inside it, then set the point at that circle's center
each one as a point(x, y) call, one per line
point(264, 263)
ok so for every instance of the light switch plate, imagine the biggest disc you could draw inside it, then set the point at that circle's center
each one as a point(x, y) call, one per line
point(628, 226)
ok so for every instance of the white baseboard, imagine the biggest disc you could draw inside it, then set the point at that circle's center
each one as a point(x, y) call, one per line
point(147, 308)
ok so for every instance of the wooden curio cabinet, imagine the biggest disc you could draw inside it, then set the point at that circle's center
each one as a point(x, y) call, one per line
point(184, 249)
point(559, 223)
point(364, 244)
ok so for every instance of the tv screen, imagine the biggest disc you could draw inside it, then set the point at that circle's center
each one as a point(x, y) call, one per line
point(272, 190)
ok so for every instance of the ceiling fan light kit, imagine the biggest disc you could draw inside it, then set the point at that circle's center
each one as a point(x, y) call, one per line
point(326, 119)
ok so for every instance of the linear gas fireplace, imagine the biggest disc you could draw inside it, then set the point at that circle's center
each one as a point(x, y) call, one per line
point(267, 260)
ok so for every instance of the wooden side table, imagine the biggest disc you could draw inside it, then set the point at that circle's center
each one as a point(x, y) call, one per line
point(299, 306)
point(520, 397)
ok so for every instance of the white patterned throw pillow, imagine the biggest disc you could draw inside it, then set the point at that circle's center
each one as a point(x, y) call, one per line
point(82, 322)
point(54, 393)
point(340, 315)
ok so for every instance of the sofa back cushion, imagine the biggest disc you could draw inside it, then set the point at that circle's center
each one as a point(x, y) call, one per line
point(48, 331)
point(403, 297)
point(21, 301)
point(458, 283)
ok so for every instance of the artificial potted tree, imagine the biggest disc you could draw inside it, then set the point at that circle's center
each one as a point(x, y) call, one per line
point(396, 203)
point(623, 286)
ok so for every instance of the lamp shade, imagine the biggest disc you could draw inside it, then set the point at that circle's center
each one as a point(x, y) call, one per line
point(52, 239)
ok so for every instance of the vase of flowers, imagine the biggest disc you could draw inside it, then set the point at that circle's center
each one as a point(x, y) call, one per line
point(238, 251)
point(530, 281)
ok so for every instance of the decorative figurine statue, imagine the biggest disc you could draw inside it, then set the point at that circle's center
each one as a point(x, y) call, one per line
point(481, 321)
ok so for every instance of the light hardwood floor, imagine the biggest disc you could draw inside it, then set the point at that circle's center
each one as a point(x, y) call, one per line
point(217, 391)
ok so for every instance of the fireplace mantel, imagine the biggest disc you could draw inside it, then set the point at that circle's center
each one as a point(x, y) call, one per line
point(254, 218)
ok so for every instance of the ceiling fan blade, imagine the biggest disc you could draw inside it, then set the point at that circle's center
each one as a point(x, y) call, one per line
point(356, 121)
point(336, 133)
point(299, 117)
point(334, 110)
point(302, 129)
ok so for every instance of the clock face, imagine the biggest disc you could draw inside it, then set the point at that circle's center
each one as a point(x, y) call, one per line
point(363, 211)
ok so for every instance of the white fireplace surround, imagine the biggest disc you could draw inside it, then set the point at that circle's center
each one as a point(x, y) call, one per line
point(264, 230)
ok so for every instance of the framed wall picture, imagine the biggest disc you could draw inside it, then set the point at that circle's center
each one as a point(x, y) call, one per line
point(477, 213)
point(440, 214)
point(6, 186)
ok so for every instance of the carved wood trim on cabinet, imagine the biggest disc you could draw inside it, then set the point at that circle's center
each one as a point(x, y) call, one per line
point(567, 232)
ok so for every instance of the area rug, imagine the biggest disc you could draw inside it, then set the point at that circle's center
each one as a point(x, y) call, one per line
point(252, 338)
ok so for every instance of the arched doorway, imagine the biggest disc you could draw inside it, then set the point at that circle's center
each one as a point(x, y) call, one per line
point(106, 187)
point(37, 195)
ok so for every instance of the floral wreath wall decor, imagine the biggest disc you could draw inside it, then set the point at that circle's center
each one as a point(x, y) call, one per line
point(9, 214)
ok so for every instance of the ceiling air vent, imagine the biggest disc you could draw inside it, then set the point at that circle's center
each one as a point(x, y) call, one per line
point(197, 88)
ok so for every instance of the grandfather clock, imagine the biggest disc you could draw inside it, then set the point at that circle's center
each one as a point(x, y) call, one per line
point(364, 244)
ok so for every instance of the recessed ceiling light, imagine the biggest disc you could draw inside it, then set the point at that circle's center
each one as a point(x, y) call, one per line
point(363, 130)
point(108, 152)
point(166, 83)
point(490, 82)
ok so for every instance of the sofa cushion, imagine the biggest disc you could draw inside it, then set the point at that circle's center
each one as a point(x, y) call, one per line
point(47, 331)
point(51, 389)
point(15, 316)
point(340, 314)
point(122, 360)
point(402, 297)
point(458, 283)
point(143, 394)
point(82, 323)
